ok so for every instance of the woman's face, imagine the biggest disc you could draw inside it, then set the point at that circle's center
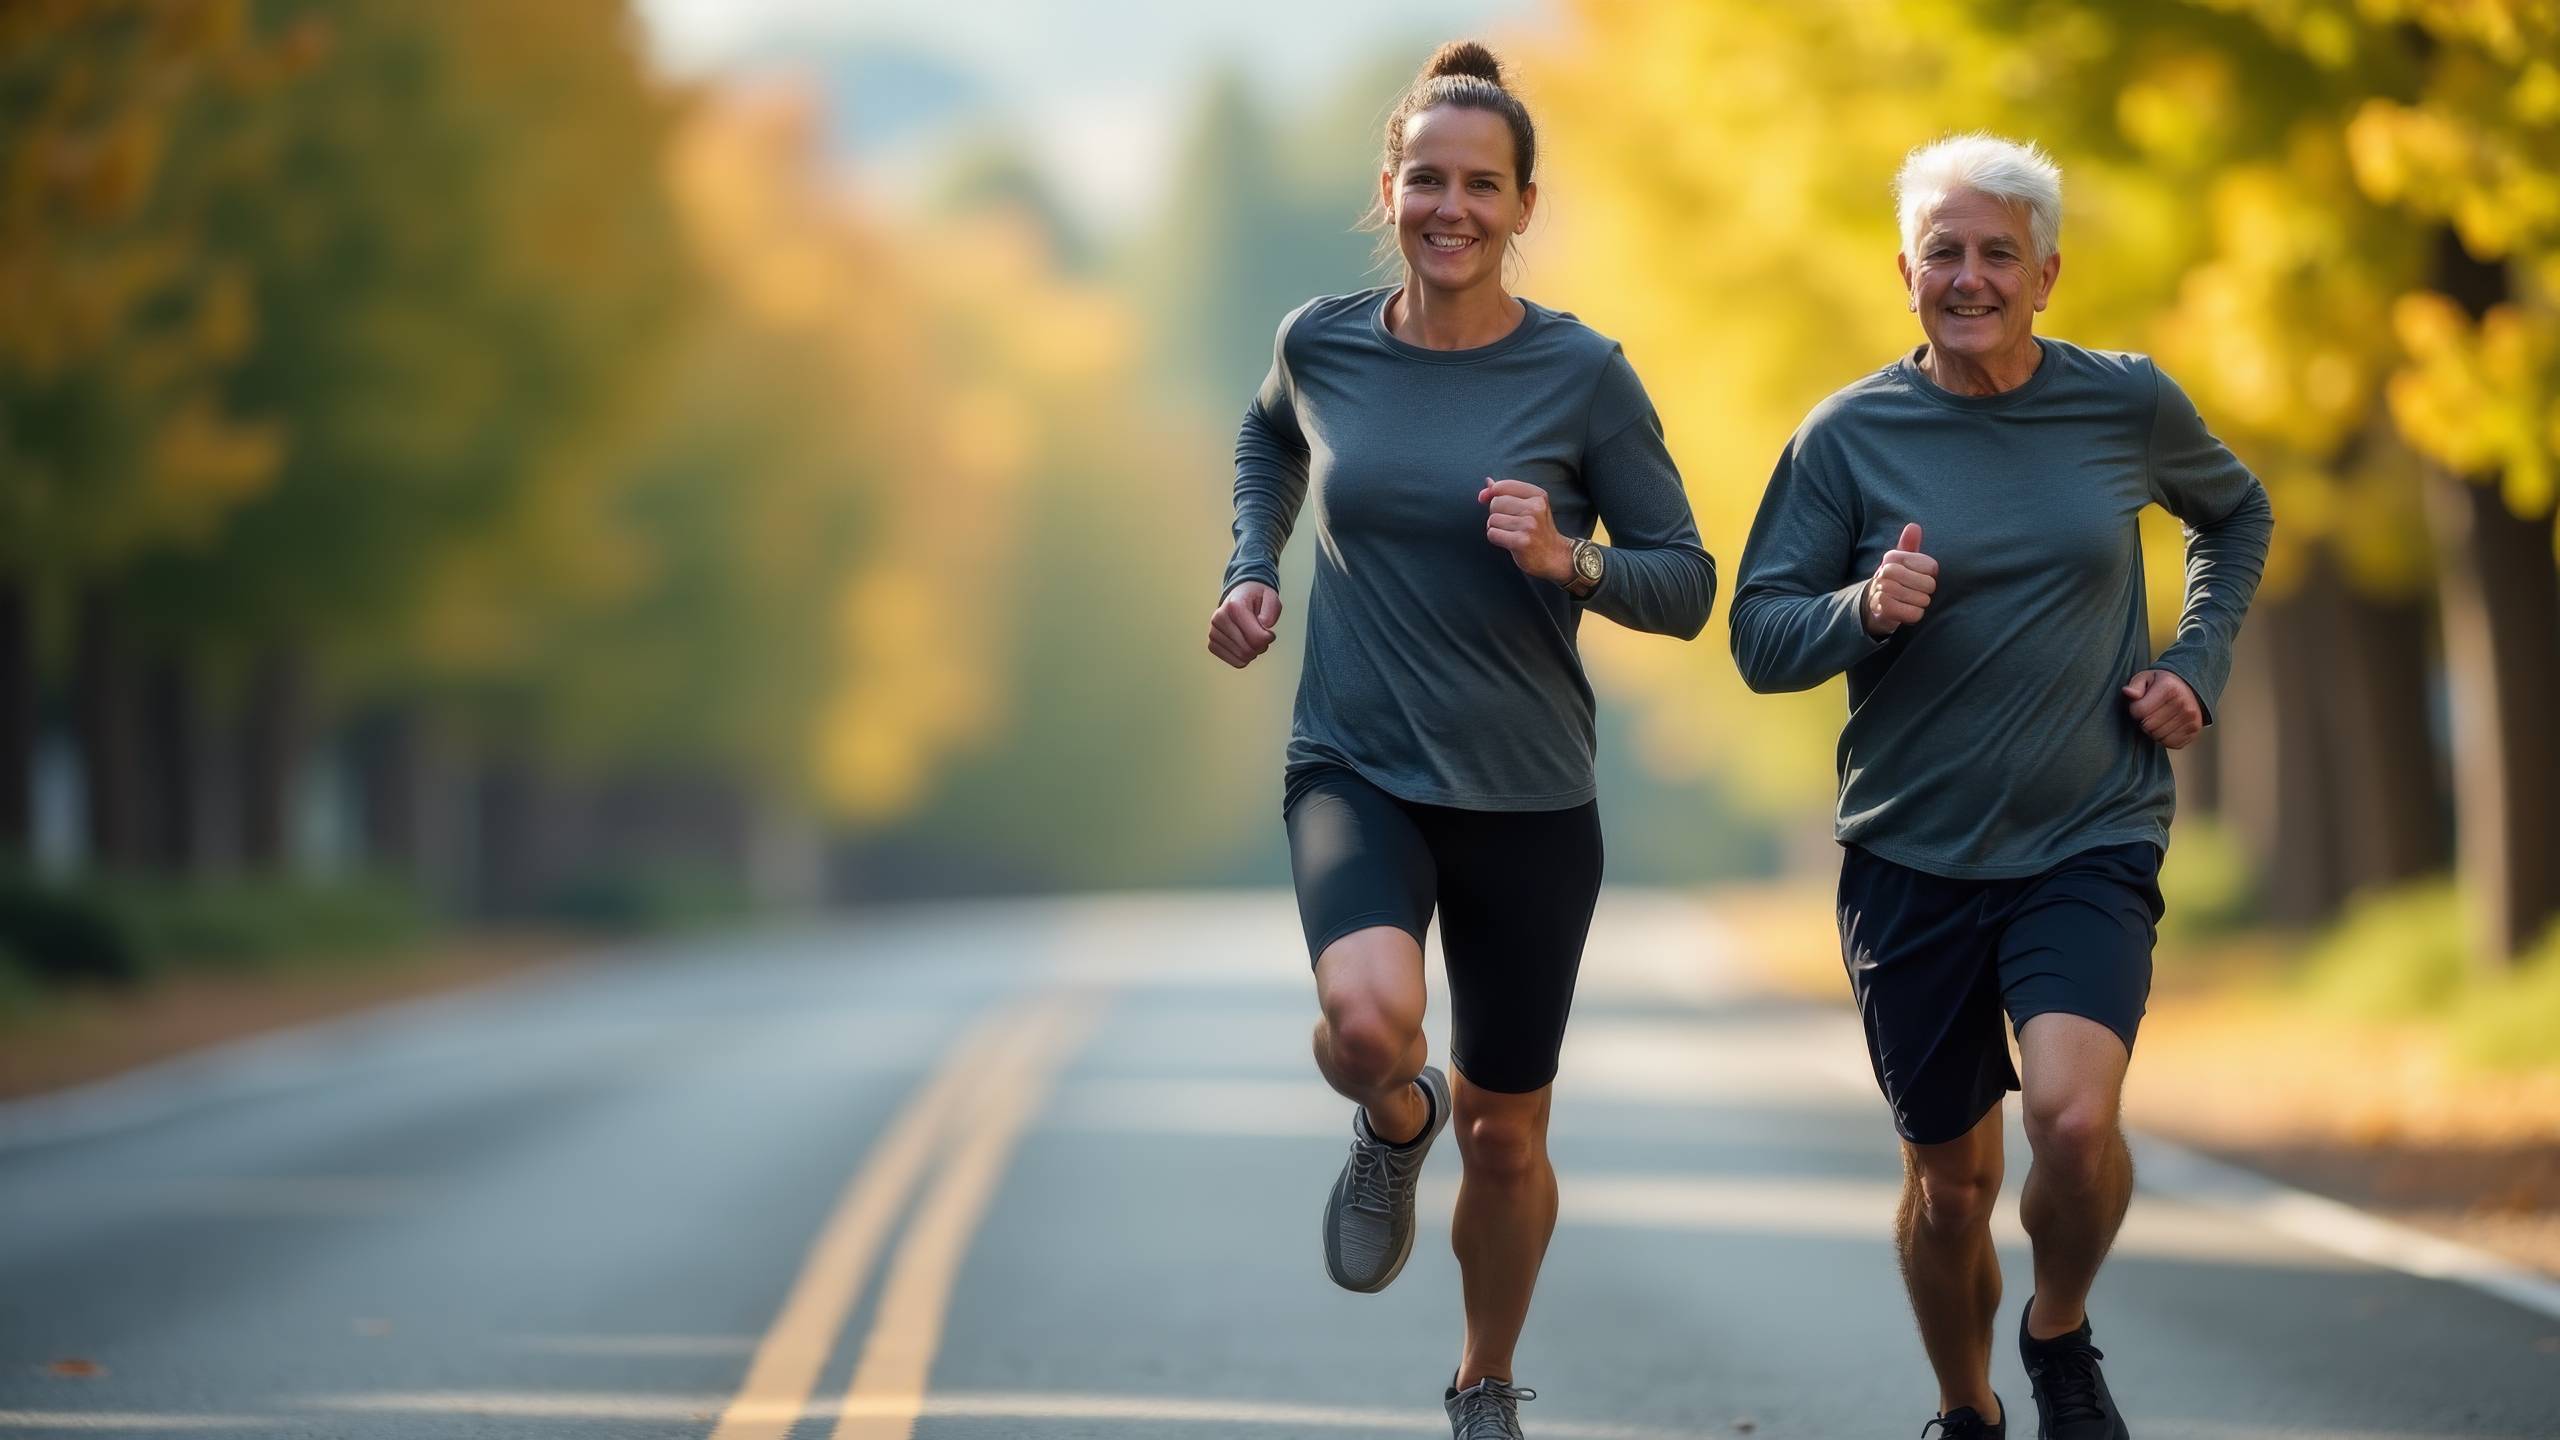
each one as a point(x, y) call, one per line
point(1456, 199)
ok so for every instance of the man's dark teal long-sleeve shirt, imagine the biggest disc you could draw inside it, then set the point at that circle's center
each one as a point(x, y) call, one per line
point(1989, 739)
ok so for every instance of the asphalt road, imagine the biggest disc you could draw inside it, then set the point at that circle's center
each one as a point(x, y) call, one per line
point(1052, 1170)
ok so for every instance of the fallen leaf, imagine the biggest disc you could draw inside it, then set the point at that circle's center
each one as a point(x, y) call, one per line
point(78, 1369)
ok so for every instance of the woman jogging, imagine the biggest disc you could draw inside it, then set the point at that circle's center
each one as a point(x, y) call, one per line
point(1460, 445)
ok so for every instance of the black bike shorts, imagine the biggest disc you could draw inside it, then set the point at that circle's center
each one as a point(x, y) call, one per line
point(1514, 888)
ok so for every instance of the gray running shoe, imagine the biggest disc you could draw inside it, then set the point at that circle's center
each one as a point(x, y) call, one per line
point(1368, 1220)
point(1487, 1410)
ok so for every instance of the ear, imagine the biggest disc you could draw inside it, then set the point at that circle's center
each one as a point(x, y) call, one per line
point(1387, 196)
point(2050, 272)
point(1528, 206)
point(1902, 263)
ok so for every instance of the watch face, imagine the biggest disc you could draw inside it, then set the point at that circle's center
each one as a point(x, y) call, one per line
point(1587, 561)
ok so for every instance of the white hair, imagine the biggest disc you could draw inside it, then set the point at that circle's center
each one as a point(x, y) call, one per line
point(1986, 164)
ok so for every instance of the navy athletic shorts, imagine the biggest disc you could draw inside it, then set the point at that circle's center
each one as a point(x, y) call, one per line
point(1934, 962)
point(1514, 889)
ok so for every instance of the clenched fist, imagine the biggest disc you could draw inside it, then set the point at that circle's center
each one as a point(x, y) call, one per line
point(1898, 595)
point(1241, 627)
point(2165, 708)
point(1517, 519)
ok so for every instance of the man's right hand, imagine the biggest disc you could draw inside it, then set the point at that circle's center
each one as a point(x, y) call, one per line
point(1899, 593)
point(1240, 628)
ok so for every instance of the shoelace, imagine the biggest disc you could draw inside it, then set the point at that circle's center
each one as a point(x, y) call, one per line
point(2070, 1380)
point(1972, 1427)
point(1485, 1416)
point(1376, 1184)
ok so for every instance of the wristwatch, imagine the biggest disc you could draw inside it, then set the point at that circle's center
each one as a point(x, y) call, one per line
point(1590, 561)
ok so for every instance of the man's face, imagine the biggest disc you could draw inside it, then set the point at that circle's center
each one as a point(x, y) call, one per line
point(1974, 279)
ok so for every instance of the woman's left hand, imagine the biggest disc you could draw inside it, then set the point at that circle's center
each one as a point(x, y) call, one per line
point(1517, 519)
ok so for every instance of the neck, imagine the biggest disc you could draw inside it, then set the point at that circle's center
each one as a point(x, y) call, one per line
point(1437, 319)
point(1982, 375)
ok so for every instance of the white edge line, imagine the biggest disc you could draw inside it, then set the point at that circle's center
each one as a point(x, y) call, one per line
point(2175, 1171)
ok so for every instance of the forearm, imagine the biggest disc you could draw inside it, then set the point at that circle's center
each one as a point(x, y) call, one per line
point(1792, 641)
point(1661, 590)
point(1271, 483)
point(2224, 562)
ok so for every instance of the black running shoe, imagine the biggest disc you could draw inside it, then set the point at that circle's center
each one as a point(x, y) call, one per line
point(2070, 1391)
point(1966, 1423)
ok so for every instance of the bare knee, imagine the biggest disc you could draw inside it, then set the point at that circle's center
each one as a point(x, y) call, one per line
point(2074, 1137)
point(1368, 1044)
point(1508, 1143)
point(1952, 1200)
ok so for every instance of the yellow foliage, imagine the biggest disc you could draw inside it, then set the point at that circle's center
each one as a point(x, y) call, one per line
point(2481, 397)
point(962, 370)
point(203, 461)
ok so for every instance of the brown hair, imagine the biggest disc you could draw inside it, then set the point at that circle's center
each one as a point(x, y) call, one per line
point(1467, 75)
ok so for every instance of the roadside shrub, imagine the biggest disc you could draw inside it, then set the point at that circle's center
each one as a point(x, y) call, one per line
point(251, 923)
point(65, 936)
point(20, 991)
point(2512, 1021)
point(2397, 954)
point(638, 898)
point(2208, 882)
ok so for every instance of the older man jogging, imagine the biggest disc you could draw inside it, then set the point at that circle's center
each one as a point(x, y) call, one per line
point(1956, 532)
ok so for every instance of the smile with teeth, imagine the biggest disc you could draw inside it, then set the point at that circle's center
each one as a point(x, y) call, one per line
point(1970, 311)
point(1449, 242)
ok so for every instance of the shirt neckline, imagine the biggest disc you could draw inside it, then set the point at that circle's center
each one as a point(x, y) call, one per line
point(1530, 319)
point(1918, 379)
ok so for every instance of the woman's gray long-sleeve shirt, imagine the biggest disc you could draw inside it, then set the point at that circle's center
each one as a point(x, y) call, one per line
point(1990, 738)
point(1435, 667)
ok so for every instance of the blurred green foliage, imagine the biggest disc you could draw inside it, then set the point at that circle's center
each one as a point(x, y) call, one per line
point(2394, 953)
point(2208, 881)
point(2403, 955)
point(119, 930)
point(639, 898)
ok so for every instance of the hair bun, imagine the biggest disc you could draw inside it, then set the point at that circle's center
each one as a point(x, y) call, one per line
point(1464, 57)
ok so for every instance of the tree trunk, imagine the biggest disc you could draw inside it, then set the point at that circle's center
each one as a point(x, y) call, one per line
point(516, 859)
point(17, 722)
point(2502, 662)
point(275, 740)
point(107, 717)
point(2279, 787)
point(173, 762)
point(411, 793)
point(2386, 783)
point(2501, 603)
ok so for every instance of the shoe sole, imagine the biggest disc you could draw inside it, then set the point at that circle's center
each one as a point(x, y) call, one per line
point(1440, 1107)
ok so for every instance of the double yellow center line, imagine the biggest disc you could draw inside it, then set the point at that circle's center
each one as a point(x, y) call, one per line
point(969, 1113)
